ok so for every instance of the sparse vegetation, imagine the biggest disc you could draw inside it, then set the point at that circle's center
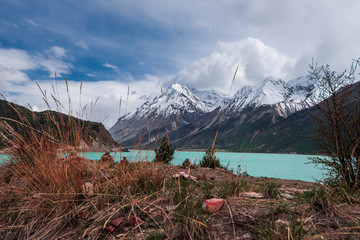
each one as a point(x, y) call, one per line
point(165, 152)
point(271, 190)
point(209, 160)
point(338, 124)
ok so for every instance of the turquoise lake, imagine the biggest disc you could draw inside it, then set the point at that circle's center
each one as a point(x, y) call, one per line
point(285, 166)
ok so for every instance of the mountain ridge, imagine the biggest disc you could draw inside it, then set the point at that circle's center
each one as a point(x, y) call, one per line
point(269, 102)
point(94, 135)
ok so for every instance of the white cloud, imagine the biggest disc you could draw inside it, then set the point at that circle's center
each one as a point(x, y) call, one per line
point(90, 75)
point(54, 61)
point(12, 64)
point(14, 25)
point(109, 93)
point(329, 26)
point(33, 23)
point(255, 60)
point(113, 67)
point(56, 52)
point(16, 59)
point(81, 44)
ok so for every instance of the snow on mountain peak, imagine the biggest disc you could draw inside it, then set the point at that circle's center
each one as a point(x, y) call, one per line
point(180, 100)
point(272, 91)
point(177, 99)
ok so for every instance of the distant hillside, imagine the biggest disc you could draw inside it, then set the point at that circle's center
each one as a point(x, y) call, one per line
point(255, 129)
point(253, 121)
point(93, 135)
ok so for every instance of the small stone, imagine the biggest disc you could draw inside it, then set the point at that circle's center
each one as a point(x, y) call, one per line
point(252, 195)
point(109, 228)
point(134, 220)
point(83, 214)
point(213, 205)
point(287, 196)
point(184, 175)
point(247, 236)
point(88, 188)
point(170, 208)
point(117, 221)
point(279, 223)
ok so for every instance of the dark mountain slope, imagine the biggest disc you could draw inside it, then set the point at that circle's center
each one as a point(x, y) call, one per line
point(93, 135)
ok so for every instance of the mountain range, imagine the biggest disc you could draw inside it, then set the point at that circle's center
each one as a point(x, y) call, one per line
point(269, 117)
point(93, 135)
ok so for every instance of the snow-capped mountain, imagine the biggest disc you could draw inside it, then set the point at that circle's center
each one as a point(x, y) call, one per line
point(211, 98)
point(177, 99)
point(179, 107)
point(288, 97)
point(175, 107)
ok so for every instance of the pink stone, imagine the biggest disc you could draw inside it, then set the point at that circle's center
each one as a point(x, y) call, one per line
point(134, 220)
point(110, 228)
point(213, 205)
point(117, 221)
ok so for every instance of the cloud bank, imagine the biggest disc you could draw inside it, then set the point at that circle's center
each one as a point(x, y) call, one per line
point(14, 63)
point(254, 59)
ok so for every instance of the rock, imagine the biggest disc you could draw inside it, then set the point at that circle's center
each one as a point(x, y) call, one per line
point(213, 205)
point(293, 190)
point(88, 188)
point(84, 214)
point(281, 223)
point(187, 164)
point(117, 221)
point(107, 157)
point(109, 228)
point(184, 175)
point(247, 236)
point(252, 195)
point(170, 208)
point(134, 221)
point(287, 196)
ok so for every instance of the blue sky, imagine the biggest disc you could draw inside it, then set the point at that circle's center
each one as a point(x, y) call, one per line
point(116, 45)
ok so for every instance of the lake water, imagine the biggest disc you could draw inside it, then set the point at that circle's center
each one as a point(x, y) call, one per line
point(285, 166)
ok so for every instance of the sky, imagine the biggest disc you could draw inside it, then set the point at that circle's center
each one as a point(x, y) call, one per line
point(117, 54)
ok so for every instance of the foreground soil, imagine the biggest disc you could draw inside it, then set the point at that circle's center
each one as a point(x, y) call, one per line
point(159, 205)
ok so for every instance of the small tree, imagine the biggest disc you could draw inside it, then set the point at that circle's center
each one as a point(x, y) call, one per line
point(338, 123)
point(209, 160)
point(165, 151)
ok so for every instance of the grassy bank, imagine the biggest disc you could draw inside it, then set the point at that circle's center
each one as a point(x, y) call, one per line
point(75, 198)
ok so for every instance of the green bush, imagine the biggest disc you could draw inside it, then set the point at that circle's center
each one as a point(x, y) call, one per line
point(209, 160)
point(271, 190)
point(165, 152)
